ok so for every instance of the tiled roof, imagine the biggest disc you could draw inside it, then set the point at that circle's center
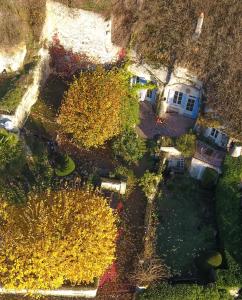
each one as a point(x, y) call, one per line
point(209, 155)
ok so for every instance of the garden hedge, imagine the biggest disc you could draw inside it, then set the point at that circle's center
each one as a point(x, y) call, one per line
point(165, 291)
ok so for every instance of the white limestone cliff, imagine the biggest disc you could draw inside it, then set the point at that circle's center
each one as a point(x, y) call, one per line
point(80, 31)
point(13, 59)
point(77, 30)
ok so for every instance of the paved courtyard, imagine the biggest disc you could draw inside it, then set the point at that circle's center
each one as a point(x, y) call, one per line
point(172, 125)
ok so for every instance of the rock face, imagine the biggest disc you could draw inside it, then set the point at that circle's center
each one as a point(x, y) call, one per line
point(32, 93)
point(12, 60)
point(77, 30)
point(80, 31)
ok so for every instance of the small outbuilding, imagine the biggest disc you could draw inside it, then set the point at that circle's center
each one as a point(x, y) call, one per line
point(113, 185)
point(206, 157)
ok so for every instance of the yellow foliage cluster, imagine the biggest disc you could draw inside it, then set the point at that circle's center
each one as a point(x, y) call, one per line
point(55, 237)
point(91, 109)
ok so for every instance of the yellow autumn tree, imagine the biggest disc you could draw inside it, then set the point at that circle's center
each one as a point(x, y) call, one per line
point(56, 237)
point(91, 110)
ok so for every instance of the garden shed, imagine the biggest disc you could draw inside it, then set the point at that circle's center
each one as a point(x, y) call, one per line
point(206, 157)
point(198, 168)
point(173, 158)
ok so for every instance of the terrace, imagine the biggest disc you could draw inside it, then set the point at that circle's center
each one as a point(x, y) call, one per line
point(172, 124)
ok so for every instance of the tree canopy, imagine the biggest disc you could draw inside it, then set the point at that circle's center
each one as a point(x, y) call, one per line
point(186, 144)
point(56, 237)
point(129, 147)
point(91, 110)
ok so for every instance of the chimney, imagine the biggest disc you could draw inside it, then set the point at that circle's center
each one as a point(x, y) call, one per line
point(198, 29)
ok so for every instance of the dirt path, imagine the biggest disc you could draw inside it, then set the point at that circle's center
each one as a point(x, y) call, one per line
point(130, 243)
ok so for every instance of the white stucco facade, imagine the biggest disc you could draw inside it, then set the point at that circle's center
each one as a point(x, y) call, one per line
point(182, 94)
point(217, 136)
point(198, 167)
point(149, 73)
point(171, 151)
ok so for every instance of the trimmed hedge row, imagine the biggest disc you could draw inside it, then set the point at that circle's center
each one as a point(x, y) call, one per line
point(228, 207)
point(165, 291)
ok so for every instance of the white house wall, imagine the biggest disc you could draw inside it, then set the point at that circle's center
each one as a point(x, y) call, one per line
point(185, 89)
point(148, 72)
point(140, 71)
point(171, 151)
point(198, 167)
point(142, 94)
point(219, 139)
point(181, 80)
point(236, 151)
point(182, 75)
point(188, 93)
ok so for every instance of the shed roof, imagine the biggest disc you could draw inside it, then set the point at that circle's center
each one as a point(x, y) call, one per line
point(209, 155)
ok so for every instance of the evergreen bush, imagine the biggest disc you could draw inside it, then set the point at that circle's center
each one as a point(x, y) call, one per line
point(129, 147)
point(65, 166)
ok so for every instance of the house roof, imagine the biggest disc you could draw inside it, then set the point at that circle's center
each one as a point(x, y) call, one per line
point(184, 81)
point(209, 155)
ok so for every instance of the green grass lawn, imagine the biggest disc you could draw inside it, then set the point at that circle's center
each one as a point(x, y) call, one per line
point(185, 213)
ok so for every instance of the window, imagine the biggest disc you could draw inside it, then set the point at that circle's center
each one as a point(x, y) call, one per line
point(177, 97)
point(137, 79)
point(214, 133)
point(149, 94)
point(190, 104)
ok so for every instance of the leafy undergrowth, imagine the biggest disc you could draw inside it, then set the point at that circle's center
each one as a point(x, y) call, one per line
point(185, 224)
point(99, 6)
point(42, 119)
point(13, 87)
